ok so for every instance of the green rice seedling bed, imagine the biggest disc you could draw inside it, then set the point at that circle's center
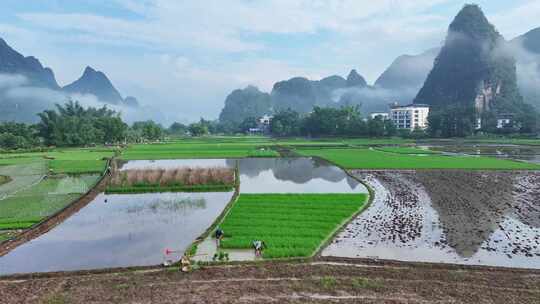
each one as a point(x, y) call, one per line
point(32, 204)
point(291, 225)
point(263, 153)
point(363, 158)
point(70, 161)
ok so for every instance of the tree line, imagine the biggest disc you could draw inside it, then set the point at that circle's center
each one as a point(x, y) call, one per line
point(73, 125)
point(325, 121)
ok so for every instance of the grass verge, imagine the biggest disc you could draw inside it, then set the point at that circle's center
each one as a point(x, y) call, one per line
point(30, 205)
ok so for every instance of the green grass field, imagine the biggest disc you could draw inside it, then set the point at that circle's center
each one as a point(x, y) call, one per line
point(78, 161)
point(372, 159)
point(198, 149)
point(63, 161)
point(30, 205)
point(238, 147)
point(291, 225)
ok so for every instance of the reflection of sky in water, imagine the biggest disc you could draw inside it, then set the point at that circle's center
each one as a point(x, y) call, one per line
point(127, 230)
point(272, 175)
point(517, 152)
point(134, 229)
point(173, 163)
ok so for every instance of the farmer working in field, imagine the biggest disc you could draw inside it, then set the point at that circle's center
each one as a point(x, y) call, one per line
point(219, 236)
point(186, 263)
point(258, 246)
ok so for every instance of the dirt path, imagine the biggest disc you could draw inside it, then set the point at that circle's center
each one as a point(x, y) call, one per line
point(318, 282)
point(53, 220)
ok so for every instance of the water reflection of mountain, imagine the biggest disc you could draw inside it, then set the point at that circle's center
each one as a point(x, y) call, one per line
point(297, 170)
point(470, 205)
point(527, 199)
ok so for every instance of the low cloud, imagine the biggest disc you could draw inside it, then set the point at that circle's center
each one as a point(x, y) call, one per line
point(9, 81)
point(23, 102)
point(527, 69)
point(373, 99)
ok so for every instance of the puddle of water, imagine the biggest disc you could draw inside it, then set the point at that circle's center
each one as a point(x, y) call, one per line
point(174, 163)
point(273, 175)
point(403, 223)
point(119, 231)
point(516, 152)
point(207, 248)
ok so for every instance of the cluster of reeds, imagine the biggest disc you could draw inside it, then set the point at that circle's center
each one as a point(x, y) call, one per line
point(184, 176)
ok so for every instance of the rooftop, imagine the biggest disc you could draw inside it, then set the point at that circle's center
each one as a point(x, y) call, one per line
point(412, 105)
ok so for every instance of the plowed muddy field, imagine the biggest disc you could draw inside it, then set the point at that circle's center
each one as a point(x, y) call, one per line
point(464, 217)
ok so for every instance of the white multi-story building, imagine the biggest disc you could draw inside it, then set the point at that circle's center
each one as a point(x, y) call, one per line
point(410, 116)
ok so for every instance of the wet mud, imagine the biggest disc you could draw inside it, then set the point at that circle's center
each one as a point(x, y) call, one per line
point(465, 217)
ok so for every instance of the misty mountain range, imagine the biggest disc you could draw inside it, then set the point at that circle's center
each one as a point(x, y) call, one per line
point(26, 87)
point(400, 82)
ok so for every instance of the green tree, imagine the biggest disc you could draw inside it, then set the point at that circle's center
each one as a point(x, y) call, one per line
point(198, 129)
point(73, 125)
point(149, 130)
point(248, 123)
point(375, 127)
point(285, 123)
point(177, 129)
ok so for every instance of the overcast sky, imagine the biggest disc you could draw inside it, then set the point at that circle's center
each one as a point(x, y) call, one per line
point(186, 56)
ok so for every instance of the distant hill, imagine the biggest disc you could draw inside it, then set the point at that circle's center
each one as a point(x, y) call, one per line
point(406, 75)
point(298, 93)
point(27, 88)
point(13, 63)
point(131, 101)
point(471, 73)
point(530, 40)
point(355, 80)
point(95, 83)
point(301, 94)
point(245, 103)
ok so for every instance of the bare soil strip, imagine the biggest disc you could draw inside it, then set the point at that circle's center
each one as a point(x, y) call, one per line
point(340, 281)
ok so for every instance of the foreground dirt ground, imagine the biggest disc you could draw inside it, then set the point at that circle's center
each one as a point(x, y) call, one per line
point(329, 281)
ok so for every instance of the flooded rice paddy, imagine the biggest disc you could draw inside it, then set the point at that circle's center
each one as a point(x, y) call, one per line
point(477, 218)
point(516, 152)
point(135, 229)
point(118, 231)
point(272, 175)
